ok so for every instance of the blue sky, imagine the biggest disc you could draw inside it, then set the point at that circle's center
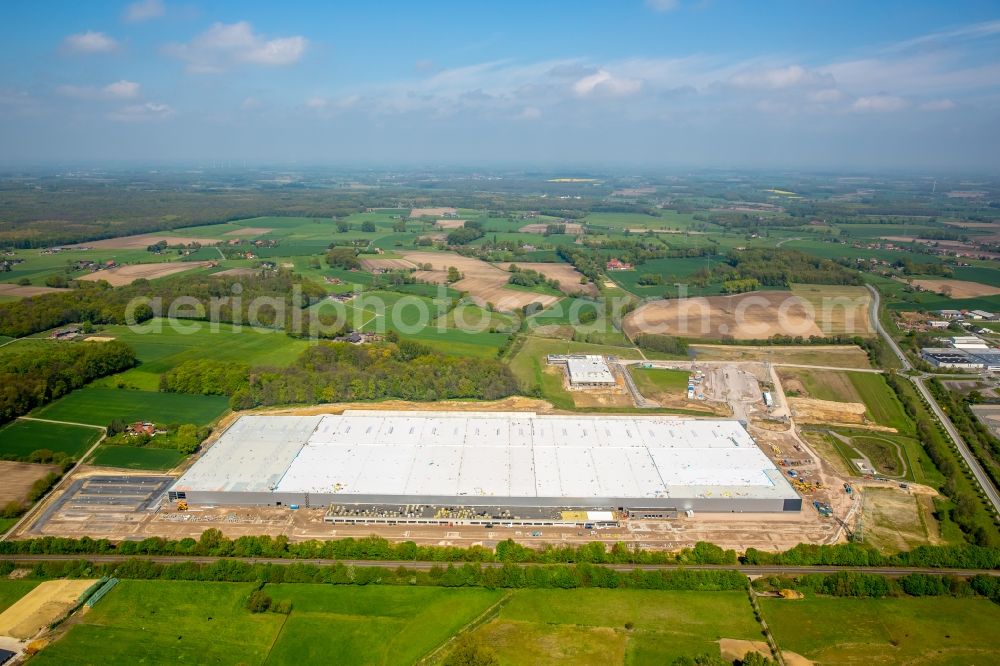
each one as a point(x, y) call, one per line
point(685, 83)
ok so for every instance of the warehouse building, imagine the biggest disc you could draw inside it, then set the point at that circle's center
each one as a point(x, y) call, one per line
point(485, 466)
point(585, 370)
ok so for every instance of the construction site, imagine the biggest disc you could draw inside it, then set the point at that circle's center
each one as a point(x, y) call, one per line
point(479, 473)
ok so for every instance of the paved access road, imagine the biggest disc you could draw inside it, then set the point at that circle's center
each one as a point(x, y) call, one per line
point(750, 570)
point(984, 480)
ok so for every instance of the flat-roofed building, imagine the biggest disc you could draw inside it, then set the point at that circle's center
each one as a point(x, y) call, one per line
point(488, 464)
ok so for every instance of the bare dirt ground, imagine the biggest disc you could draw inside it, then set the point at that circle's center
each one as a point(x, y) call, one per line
point(18, 477)
point(41, 607)
point(235, 272)
point(743, 317)
point(826, 412)
point(568, 276)
point(145, 240)
point(249, 231)
point(839, 309)
point(387, 264)
point(958, 288)
point(432, 212)
point(894, 521)
point(484, 282)
point(449, 224)
point(971, 225)
point(841, 356)
point(7, 289)
point(571, 228)
point(734, 649)
point(129, 273)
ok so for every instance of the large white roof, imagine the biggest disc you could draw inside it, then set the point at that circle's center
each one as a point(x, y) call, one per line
point(589, 369)
point(488, 454)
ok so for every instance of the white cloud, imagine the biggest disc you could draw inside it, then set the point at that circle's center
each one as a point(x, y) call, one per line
point(122, 89)
point(826, 96)
point(144, 10)
point(879, 103)
point(319, 102)
point(778, 77)
point(224, 45)
point(118, 90)
point(938, 105)
point(663, 5)
point(602, 82)
point(530, 113)
point(90, 42)
point(137, 113)
point(251, 103)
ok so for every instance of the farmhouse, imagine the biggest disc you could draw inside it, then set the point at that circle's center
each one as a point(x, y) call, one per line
point(616, 265)
point(439, 467)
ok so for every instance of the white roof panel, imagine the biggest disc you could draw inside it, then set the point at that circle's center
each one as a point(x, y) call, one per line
point(487, 454)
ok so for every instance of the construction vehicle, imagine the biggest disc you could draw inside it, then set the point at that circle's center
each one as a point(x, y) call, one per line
point(848, 489)
point(182, 505)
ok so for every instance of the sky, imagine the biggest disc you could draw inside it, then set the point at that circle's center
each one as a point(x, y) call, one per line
point(683, 83)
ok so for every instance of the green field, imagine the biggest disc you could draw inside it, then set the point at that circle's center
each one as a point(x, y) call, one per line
point(182, 622)
point(12, 590)
point(100, 406)
point(167, 344)
point(371, 625)
point(134, 457)
point(22, 437)
point(883, 405)
point(869, 388)
point(673, 271)
point(587, 626)
point(415, 318)
point(887, 631)
point(202, 623)
point(653, 381)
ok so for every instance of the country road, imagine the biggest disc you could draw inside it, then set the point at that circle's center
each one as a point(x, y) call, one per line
point(981, 477)
point(750, 570)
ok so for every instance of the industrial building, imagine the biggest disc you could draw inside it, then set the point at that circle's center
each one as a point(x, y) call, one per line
point(432, 467)
point(585, 370)
point(963, 358)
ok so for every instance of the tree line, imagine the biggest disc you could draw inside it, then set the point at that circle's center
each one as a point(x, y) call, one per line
point(967, 511)
point(34, 375)
point(508, 576)
point(213, 543)
point(344, 372)
point(858, 584)
point(98, 303)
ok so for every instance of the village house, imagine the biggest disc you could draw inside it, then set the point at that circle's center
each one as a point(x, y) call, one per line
point(616, 265)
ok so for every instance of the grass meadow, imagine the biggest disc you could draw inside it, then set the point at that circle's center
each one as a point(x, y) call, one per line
point(588, 626)
point(22, 437)
point(926, 630)
point(207, 623)
point(135, 457)
point(99, 406)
